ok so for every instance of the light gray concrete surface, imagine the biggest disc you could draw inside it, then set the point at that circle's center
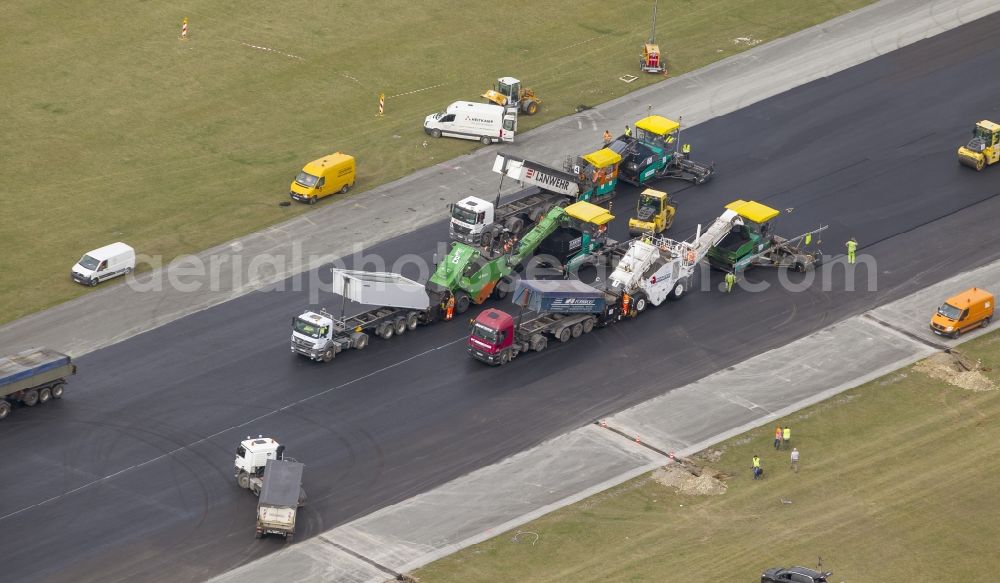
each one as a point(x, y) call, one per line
point(116, 312)
point(499, 498)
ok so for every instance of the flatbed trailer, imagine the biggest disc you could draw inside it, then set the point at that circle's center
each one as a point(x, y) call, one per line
point(32, 377)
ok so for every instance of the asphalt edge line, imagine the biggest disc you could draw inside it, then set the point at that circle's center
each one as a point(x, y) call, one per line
point(903, 332)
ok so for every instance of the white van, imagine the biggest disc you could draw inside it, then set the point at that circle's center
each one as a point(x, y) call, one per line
point(485, 122)
point(104, 263)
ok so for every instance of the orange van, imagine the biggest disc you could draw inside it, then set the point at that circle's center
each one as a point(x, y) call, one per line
point(965, 311)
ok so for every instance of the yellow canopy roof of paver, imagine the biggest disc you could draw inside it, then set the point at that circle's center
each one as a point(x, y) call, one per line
point(657, 124)
point(590, 213)
point(603, 158)
point(990, 125)
point(753, 211)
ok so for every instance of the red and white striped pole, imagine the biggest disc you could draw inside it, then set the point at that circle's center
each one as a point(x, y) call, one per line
point(381, 104)
point(184, 29)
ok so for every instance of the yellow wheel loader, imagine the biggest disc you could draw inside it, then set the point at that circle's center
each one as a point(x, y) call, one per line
point(508, 92)
point(984, 147)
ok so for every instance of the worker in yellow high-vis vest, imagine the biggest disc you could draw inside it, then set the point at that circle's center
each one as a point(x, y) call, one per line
point(852, 249)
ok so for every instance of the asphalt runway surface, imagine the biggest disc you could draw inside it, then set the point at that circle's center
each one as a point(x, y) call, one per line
point(129, 477)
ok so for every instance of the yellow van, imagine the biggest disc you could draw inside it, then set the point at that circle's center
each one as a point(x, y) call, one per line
point(967, 310)
point(328, 175)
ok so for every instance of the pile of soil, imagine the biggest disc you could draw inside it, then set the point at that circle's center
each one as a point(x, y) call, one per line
point(686, 482)
point(957, 370)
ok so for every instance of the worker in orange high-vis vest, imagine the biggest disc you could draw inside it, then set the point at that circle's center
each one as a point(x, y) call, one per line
point(449, 308)
point(626, 300)
point(777, 437)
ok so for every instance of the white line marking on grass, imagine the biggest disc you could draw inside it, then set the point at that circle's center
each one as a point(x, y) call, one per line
point(269, 50)
point(415, 91)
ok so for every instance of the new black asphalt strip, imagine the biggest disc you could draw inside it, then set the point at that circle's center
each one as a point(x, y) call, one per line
point(129, 476)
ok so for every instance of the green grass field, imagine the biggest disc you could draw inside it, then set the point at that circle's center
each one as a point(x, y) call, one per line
point(897, 482)
point(114, 129)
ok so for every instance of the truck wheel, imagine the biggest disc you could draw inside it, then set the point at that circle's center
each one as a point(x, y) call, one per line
point(399, 325)
point(30, 398)
point(412, 320)
point(577, 330)
point(539, 342)
point(243, 480)
point(4, 409)
point(530, 107)
point(462, 302)
point(679, 289)
point(486, 140)
point(565, 334)
point(359, 340)
point(329, 354)
point(504, 357)
point(515, 225)
point(641, 304)
point(588, 325)
point(57, 391)
point(44, 395)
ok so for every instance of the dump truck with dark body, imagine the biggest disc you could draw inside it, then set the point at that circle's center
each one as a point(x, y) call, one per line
point(32, 377)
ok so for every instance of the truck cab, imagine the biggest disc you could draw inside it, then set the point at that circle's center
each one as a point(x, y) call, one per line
point(312, 334)
point(469, 219)
point(251, 458)
point(492, 333)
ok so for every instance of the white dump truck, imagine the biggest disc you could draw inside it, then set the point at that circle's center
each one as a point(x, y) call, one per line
point(261, 467)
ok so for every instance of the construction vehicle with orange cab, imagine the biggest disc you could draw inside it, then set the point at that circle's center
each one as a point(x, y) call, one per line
point(654, 214)
point(751, 241)
point(966, 311)
point(653, 152)
point(509, 93)
point(984, 148)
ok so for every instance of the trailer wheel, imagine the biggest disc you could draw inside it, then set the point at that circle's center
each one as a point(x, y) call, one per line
point(577, 330)
point(564, 334)
point(359, 340)
point(399, 325)
point(412, 320)
point(462, 302)
point(243, 480)
point(57, 390)
point(387, 330)
point(329, 354)
point(4, 409)
point(30, 398)
point(44, 395)
point(588, 325)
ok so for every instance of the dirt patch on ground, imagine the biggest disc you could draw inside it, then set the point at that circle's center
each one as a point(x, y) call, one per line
point(706, 482)
point(957, 370)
